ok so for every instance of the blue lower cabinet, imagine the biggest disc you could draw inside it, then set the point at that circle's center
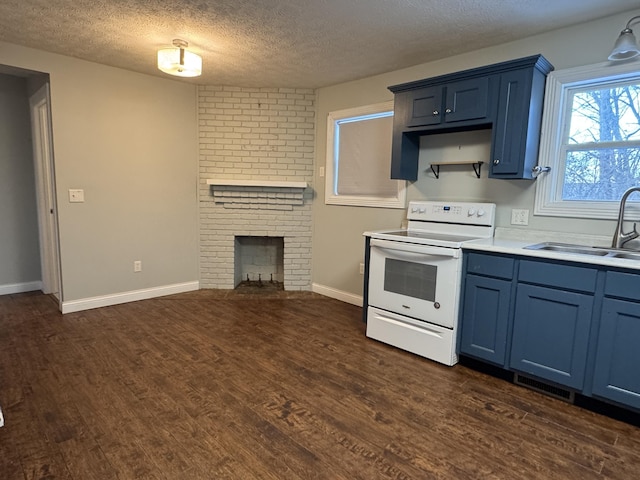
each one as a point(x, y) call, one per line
point(551, 330)
point(485, 318)
point(616, 375)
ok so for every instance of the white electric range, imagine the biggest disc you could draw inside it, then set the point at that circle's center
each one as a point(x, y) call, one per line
point(415, 273)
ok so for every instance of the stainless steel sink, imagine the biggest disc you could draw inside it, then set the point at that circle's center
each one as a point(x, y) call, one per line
point(627, 255)
point(569, 248)
point(584, 250)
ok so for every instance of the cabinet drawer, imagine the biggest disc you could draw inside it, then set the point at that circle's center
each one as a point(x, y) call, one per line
point(623, 285)
point(556, 275)
point(490, 265)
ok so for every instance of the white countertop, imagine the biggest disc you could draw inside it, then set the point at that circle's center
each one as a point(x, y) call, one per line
point(516, 247)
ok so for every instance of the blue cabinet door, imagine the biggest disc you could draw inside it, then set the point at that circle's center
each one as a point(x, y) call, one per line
point(424, 107)
point(516, 131)
point(485, 318)
point(616, 376)
point(467, 100)
point(511, 125)
point(551, 334)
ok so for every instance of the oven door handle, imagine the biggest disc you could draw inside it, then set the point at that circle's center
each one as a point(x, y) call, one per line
point(415, 248)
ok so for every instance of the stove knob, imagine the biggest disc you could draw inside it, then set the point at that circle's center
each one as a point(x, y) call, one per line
point(471, 212)
point(414, 209)
point(481, 212)
point(423, 210)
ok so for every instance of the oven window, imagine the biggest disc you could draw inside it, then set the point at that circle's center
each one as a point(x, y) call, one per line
point(412, 279)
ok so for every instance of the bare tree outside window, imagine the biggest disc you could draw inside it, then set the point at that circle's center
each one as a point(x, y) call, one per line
point(602, 150)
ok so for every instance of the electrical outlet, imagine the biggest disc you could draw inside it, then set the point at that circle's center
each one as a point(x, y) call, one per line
point(362, 269)
point(76, 195)
point(519, 216)
point(321, 172)
point(137, 266)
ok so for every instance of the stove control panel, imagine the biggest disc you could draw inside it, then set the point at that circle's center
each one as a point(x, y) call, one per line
point(464, 213)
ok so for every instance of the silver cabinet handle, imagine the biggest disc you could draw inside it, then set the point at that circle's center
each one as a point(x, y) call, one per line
point(436, 112)
point(448, 110)
point(496, 161)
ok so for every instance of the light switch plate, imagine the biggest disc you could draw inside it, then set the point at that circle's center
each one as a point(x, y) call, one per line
point(76, 195)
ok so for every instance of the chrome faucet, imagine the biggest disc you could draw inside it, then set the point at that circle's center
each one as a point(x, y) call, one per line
point(620, 237)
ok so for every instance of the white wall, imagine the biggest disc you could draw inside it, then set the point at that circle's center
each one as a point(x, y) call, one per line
point(19, 250)
point(130, 141)
point(338, 245)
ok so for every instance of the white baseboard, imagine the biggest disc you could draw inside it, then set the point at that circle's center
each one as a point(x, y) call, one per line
point(20, 287)
point(337, 294)
point(125, 297)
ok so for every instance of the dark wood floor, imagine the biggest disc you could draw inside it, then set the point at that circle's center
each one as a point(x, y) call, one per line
point(218, 384)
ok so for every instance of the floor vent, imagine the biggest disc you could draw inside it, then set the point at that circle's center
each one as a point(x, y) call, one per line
point(538, 386)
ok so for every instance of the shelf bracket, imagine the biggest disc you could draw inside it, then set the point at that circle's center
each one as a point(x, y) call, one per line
point(477, 167)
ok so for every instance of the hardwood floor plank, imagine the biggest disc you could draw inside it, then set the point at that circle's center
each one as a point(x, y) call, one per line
point(217, 384)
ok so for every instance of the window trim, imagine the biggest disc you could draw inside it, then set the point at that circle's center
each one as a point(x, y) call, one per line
point(399, 201)
point(555, 115)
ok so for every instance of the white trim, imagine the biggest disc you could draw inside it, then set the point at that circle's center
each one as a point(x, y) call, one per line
point(337, 294)
point(548, 185)
point(125, 297)
point(20, 287)
point(255, 183)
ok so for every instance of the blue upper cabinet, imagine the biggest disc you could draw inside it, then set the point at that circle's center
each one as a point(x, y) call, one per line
point(507, 97)
point(516, 130)
point(465, 101)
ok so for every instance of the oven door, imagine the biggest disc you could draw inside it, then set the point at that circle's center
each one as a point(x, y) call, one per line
point(418, 281)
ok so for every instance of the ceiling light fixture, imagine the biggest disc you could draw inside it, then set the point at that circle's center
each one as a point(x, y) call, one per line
point(178, 61)
point(626, 45)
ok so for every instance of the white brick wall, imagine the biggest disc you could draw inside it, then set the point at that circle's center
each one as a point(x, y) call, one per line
point(255, 134)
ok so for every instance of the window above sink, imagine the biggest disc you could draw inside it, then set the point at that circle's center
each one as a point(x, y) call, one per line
point(591, 142)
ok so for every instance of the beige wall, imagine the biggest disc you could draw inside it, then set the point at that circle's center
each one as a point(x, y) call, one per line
point(338, 246)
point(130, 141)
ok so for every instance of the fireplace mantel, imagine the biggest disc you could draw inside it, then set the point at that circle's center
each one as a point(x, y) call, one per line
point(255, 183)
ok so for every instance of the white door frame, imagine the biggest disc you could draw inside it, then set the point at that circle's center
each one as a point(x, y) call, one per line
point(41, 132)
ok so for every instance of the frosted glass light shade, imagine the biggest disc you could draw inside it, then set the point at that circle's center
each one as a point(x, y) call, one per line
point(625, 47)
point(180, 62)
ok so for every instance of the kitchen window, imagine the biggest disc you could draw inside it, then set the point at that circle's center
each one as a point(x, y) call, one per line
point(591, 141)
point(358, 161)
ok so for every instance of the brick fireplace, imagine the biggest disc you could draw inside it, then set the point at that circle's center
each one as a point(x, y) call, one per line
point(255, 212)
point(256, 159)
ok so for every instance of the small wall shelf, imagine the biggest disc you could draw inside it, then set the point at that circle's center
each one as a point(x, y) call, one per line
point(256, 183)
point(435, 167)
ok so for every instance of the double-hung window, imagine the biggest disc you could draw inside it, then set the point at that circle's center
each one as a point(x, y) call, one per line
point(591, 141)
point(358, 167)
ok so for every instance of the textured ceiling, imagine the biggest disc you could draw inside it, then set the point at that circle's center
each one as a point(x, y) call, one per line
point(286, 43)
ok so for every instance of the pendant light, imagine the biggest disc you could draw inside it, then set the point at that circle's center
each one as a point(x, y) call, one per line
point(626, 45)
point(179, 61)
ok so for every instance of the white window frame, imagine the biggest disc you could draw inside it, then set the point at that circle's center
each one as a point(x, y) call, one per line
point(331, 198)
point(556, 115)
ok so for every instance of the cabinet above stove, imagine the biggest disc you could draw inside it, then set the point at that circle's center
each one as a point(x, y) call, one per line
point(506, 97)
